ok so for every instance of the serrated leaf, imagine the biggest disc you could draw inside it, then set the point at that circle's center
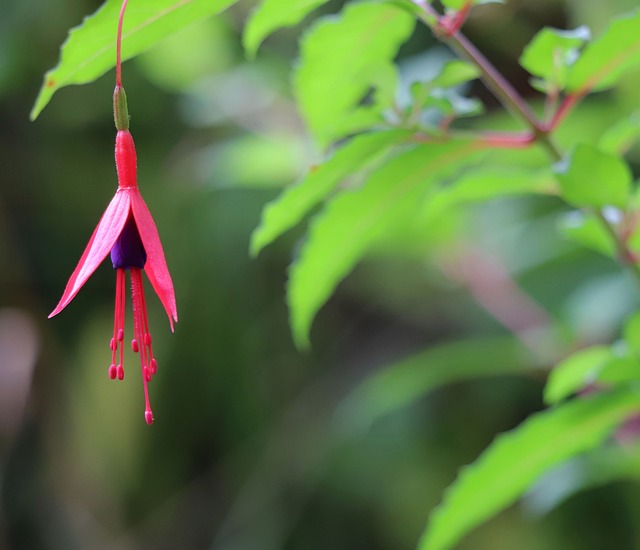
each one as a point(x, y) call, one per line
point(621, 136)
point(272, 15)
point(515, 460)
point(575, 373)
point(90, 48)
point(343, 232)
point(551, 53)
point(593, 178)
point(399, 385)
point(589, 232)
point(332, 92)
point(608, 57)
point(294, 203)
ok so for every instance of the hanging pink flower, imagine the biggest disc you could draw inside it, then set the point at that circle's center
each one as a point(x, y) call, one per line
point(128, 233)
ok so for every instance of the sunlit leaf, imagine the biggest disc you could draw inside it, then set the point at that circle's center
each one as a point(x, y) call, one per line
point(575, 372)
point(608, 57)
point(515, 460)
point(342, 233)
point(551, 52)
point(340, 96)
point(272, 15)
point(295, 202)
point(402, 383)
point(593, 178)
point(90, 49)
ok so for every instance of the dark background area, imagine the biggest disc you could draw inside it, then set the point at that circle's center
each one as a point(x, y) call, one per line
point(248, 450)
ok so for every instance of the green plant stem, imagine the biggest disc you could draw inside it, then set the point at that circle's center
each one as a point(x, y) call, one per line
point(513, 102)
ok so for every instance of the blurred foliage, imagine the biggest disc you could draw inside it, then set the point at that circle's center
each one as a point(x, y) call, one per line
point(257, 446)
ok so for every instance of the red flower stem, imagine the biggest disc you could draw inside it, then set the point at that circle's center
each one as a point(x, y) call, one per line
point(564, 109)
point(119, 45)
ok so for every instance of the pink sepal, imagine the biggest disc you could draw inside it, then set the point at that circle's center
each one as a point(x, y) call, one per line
point(156, 266)
point(100, 244)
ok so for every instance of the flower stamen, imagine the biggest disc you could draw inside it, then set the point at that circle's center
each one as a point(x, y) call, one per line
point(142, 336)
point(116, 369)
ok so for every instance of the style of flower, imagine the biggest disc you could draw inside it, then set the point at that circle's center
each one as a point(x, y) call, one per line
point(128, 233)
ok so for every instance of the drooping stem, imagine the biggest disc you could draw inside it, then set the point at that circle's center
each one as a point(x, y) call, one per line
point(119, 45)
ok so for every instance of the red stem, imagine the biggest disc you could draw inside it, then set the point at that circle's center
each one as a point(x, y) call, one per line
point(118, 45)
point(564, 109)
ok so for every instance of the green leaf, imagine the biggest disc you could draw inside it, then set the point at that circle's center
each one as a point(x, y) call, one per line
point(330, 90)
point(575, 372)
point(453, 73)
point(402, 383)
point(593, 178)
point(451, 104)
point(596, 468)
point(550, 54)
point(481, 184)
point(632, 334)
point(275, 161)
point(515, 460)
point(295, 202)
point(588, 231)
point(621, 136)
point(343, 232)
point(608, 57)
point(90, 48)
point(459, 4)
point(272, 15)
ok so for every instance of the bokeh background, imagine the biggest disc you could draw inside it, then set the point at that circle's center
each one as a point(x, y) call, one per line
point(256, 445)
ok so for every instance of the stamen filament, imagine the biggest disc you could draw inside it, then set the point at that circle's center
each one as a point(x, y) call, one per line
point(116, 369)
point(142, 336)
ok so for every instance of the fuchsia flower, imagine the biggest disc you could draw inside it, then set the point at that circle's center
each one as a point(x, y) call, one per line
point(127, 232)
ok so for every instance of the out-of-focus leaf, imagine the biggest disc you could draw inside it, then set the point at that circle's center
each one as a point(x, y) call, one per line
point(272, 15)
point(551, 52)
point(632, 334)
point(399, 385)
point(608, 57)
point(575, 372)
point(593, 178)
point(618, 139)
point(343, 232)
point(295, 202)
point(594, 469)
point(515, 460)
point(253, 160)
point(482, 184)
point(454, 73)
point(90, 49)
point(451, 104)
point(458, 4)
point(193, 53)
point(588, 231)
point(340, 96)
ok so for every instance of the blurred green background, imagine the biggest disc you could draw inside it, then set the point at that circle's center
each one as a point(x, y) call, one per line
point(253, 446)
